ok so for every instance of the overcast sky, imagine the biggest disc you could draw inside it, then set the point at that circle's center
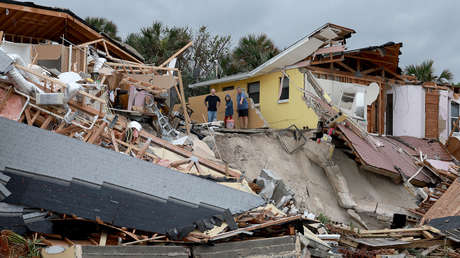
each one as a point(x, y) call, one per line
point(427, 29)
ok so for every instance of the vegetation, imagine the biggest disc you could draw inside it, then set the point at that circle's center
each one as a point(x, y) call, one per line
point(425, 72)
point(252, 51)
point(20, 246)
point(104, 25)
point(324, 219)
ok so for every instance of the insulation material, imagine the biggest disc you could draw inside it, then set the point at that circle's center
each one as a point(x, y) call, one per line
point(409, 111)
point(21, 49)
point(13, 106)
point(200, 113)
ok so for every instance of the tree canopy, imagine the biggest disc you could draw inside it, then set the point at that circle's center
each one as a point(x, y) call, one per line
point(104, 25)
point(252, 51)
point(425, 72)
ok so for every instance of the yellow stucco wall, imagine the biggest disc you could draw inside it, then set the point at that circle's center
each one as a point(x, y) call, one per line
point(279, 115)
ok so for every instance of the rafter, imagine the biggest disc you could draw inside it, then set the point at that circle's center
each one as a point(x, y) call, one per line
point(15, 17)
point(371, 70)
point(346, 67)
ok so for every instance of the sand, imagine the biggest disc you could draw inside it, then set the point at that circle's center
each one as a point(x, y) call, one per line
point(313, 191)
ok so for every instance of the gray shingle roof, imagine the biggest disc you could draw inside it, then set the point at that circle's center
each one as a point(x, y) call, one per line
point(65, 175)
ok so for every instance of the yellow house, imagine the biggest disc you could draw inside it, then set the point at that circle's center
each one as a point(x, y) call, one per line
point(275, 86)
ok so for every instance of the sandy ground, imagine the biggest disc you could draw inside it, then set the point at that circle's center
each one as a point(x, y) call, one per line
point(251, 153)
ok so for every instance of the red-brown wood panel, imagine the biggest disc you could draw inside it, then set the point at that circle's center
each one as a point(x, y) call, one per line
point(431, 114)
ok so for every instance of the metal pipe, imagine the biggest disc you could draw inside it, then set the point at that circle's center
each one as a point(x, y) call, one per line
point(54, 114)
point(70, 59)
point(25, 104)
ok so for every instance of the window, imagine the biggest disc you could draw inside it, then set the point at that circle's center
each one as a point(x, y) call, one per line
point(254, 91)
point(454, 113)
point(228, 88)
point(285, 88)
point(347, 100)
point(359, 105)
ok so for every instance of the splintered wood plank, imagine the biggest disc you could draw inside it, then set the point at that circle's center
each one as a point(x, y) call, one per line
point(47, 121)
point(114, 141)
point(34, 118)
point(141, 152)
point(28, 116)
point(4, 100)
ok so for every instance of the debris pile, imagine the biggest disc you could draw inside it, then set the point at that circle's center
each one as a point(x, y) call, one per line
point(94, 161)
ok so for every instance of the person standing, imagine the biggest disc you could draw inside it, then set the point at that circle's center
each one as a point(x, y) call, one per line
point(211, 102)
point(242, 107)
point(228, 109)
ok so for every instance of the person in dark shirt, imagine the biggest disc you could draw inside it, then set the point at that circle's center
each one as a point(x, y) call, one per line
point(212, 102)
point(228, 109)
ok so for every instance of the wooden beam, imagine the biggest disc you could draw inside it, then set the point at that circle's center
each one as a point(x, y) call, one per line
point(141, 152)
point(257, 226)
point(28, 117)
point(12, 19)
point(370, 59)
point(327, 61)
point(97, 133)
point(393, 73)
point(351, 70)
point(184, 108)
point(185, 153)
point(47, 121)
point(371, 70)
point(114, 141)
point(176, 54)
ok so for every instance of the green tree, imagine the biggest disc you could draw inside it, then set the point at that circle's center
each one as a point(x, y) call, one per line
point(204, 58)
point(251, 51)
point(425, 72)
point(158, 42)
point(104, 25)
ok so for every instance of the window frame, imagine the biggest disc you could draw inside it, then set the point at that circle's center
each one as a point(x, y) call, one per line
point(257, 100)
point(451, 117)
point(284, 86)
point(227, 88)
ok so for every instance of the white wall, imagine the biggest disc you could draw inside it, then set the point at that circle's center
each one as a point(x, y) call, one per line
point(409, 110)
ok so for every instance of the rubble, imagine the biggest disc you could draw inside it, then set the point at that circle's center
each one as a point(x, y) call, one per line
point(96, 161)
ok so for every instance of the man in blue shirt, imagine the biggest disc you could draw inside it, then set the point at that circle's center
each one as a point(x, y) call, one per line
point(242, 107)
point(212, 101)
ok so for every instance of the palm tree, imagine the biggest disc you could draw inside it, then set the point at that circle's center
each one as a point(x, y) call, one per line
point(104, 25)
point(158, 42)
point(425, 72)
point(252, 51)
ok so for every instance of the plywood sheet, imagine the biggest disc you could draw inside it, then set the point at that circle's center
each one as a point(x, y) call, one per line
point(431, 114)
point(162, 81)
point(453, 146)
point(447, 205)
point(47, 52)
point(200, 113)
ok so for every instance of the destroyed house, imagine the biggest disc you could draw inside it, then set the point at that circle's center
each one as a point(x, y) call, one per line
point(277, 87)
point(54, 30)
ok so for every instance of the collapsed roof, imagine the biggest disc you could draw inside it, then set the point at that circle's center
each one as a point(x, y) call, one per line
point(64, 175)
point(30, 23)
